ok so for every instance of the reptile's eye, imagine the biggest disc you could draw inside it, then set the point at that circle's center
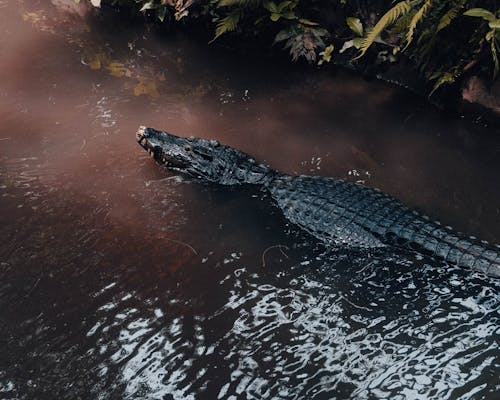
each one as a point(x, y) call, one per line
point(187, 147)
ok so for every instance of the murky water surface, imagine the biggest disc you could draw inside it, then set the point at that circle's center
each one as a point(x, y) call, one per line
point(117, 280)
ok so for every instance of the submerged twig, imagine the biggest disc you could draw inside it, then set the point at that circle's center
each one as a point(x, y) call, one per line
point(168, 178)
point(181, 243)
point(354, 305)
point(279, 246)
point(366, 266)
point(33, 287)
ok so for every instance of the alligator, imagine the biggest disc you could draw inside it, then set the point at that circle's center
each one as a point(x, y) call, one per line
point(336, 211)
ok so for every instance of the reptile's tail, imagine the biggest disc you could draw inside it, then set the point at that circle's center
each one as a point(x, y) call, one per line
point(453, 247)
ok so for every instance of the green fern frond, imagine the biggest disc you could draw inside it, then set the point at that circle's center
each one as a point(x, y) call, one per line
point(401, 25)
point(491, 37)
point(496, 64)
point(444, 78)
point(400, 9)
point(419, 15)
point(227, 24)
point(427, 39)
point(450, 15)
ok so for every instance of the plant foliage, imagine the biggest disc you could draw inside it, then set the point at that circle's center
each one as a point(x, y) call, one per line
point(399, 10)
point(442, 38)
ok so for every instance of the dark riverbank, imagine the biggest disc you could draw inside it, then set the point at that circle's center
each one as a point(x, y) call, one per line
point(474, 99)
point(470, 93)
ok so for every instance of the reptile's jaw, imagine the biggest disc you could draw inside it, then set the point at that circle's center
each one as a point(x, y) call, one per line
point(160, 154)
point(141, 139)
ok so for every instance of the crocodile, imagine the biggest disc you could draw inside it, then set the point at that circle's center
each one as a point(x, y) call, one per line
point(335, 211)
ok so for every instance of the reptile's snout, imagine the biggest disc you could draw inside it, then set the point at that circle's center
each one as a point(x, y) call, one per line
point(139, 136)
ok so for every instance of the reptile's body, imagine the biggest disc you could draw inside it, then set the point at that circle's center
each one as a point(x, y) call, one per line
point(332, 210)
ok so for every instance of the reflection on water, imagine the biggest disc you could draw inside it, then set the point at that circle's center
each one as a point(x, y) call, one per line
point(118, 280)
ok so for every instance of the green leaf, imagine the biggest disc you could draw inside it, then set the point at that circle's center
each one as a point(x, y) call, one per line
point(495, 24)
point(275, 17)
point(356, 43)
point(147, 6)
point(227, 3)
point(271, 6)
point(285, 4)
point(355, 25)
point(282, 35)
point(307, 22)
point(289, 15)
point(481, 13)
point(327, 53)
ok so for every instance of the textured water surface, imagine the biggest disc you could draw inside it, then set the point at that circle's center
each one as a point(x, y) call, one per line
point(120, 280)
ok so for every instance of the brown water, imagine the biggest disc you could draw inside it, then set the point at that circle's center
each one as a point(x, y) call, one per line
point(118, 280)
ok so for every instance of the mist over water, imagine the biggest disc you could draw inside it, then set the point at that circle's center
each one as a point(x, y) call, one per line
point(120, 280)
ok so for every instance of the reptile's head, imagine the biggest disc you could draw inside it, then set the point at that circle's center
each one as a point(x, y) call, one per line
point(203, 159)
